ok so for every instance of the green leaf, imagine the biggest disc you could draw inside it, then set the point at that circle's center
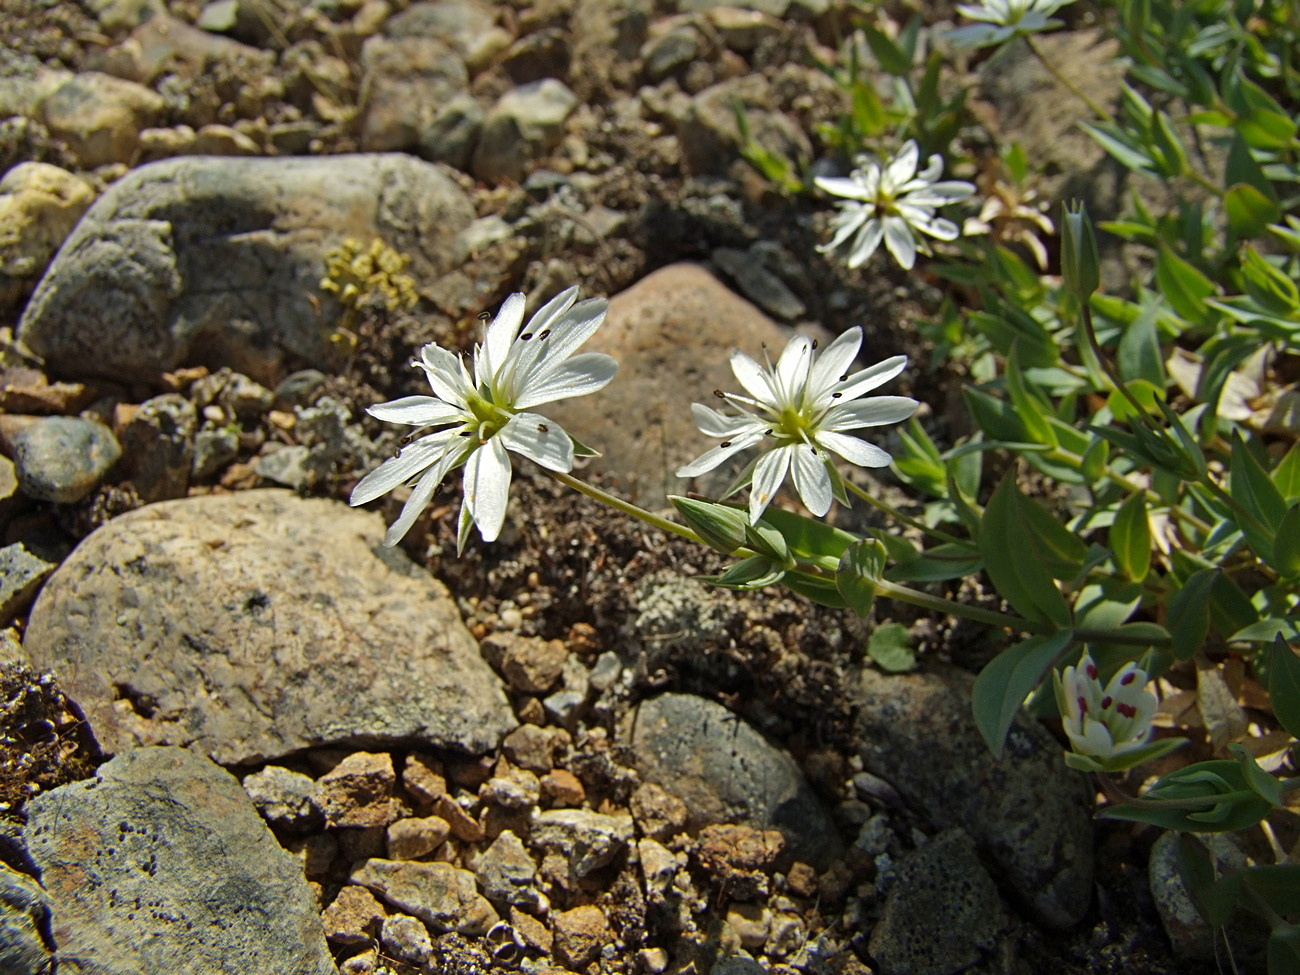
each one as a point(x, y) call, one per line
point(1242, 169)
point(1183, 286)
point(995, 417)
point(1008, 679)
point(861, 567)
point(1173, 157)
point(1266, 631)
point(1252, 489)
point(1284, 950)
point(1284, 685)
point(820, 591)
point(807, 538)
point(893, 59)
point(1139, 350)
point(947, 561)
point(1286, 475)
point(769, 543)
point(1130, 538)
point(1024, 548)
point(1259, 781)
point(1188, 617)
point(1214, 897)
point(1286, 544)
point(1208, 797)
point(890, 646)
point(1272, 288)
point(1031, 411)
point(1249, 211)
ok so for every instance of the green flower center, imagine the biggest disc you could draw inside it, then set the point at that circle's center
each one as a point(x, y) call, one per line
point(489, 417)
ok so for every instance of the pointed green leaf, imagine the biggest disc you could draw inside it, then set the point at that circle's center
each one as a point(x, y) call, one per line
point(1284, 685)
point(754, 572)
point(1138, 354)
point(1214, 897)
point(1130, 538)
point(1019, 554)
point(1286, 544)
point(1286, 475)
point(892, 58)
point(1030, 410)
point(1249, 211)
point(1242, 169)
point(1188, 617)
point(1182, 285)
point(1008, 679)
point(808, 538)
point(1257, 495)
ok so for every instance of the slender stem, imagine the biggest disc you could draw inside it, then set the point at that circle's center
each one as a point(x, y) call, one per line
point(627, 507)
point(905, 594)
point(905, 519)
point(1074, 89)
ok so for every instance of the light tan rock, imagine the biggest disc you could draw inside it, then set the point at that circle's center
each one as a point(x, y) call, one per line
point(285, 615)
point(579, 935)
point(353, 918)
point(39, 206)
point(100, 117)
point(358, 791)
point(442, 896)
point(415, 837)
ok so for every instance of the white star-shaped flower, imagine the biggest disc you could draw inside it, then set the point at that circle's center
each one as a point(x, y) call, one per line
point(1004, 19)
point(479, 415)
point(802, 407)
point(888, 202)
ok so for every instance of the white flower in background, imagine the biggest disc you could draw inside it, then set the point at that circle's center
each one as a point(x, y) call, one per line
point(889, 201)
point(1109, 727)
point(478, 416)
point(803, 407)
point(1004, 19)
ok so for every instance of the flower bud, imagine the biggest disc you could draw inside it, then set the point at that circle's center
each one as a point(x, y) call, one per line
point(719, 526)
point(1109, 726)
point(1080, 268)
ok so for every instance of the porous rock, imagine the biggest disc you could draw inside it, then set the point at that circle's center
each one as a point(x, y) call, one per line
point(942, 913)
point(1028, 813)
point(299, 626)
point(675, 740)
point(442, 896)
point(217, 260)
point(24, 912)
point(160, 863)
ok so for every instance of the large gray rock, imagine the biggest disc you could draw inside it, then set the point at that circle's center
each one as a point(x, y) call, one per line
point(1028, 813)
point(255, 624)
point(160, 865)
point(217, 261)
point(642, 423)
point(726, 772)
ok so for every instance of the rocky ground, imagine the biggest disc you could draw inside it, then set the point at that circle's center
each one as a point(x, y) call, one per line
point(238, 734)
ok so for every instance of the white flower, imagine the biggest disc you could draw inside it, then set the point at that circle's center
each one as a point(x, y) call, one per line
point(1109, 727)
point(804, 405)
point(478, 416)
point(888, 202)
point(1003, 19)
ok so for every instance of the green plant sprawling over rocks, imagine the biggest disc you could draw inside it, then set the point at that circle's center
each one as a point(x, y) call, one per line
point(1156, 413)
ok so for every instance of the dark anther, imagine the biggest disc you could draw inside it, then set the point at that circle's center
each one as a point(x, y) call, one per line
point(844, 377)
point(719, 394)
point(543, 428)
point(814, 343)
point(483, 316)
point(525, 337)
point(725, 443)
point(405, 440)
point(836, 395)
point(466, 433)
point(545, 332)
point(398, 452)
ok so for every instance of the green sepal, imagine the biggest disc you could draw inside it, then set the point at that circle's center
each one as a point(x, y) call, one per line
point(754, 572)
point(720, 526)
point(860, 571)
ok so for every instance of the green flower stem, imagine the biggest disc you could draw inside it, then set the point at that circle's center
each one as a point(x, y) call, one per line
point(905, 519)
point(627, 507)
point(1074, 89)
point(906, 594)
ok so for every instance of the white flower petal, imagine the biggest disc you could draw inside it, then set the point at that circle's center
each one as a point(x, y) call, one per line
point(501, 335)
point(902, 167)
point(791, 371)
point(847, 222)
point(841, 186)
point(833, 363)
point(446, 373)
point(713, 457)
point(939, 194)
point(540, 440)
point(423, 492)
point(576, 377)
point(715, 424)
point(853, 450)
point(753, 378)
point(900, 242)
point(570, 330)
point(871, 412)
point(868, 379)
point(866, 243)
point(400, 469)
point(417, 411)
point(487, 487)
point(768, 475)
point(812, 480)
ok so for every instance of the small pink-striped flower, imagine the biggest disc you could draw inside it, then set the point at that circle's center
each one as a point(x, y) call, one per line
point(1109, 727)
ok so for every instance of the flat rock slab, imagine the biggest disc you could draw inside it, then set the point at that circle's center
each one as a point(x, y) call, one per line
point(251, 625)
point(160, 865)
point(1029, 814)
point(217, 260)
point(727, 772)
